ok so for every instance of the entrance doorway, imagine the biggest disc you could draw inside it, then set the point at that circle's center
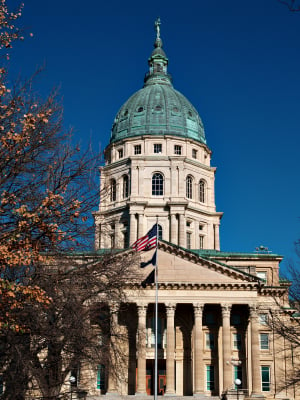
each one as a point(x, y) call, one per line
point(161, 378)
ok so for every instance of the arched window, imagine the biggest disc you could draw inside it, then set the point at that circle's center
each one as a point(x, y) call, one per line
point(189, 187)
point(113, 190)
point(202, 191)
point(159, 231)
point(157, 184)
point(125, 186)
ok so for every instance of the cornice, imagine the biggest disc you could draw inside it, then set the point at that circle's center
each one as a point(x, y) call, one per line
point(115, 164)
point(155, 137)
point(199, 164)
point(202, 211)
point(242, 286)
point(273, 290)
point(109, 211)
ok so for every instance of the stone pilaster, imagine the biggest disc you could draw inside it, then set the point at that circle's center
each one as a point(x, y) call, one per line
point(198, 350)
point(174, 229)
point(182, 238)
point(216, 237)
point(170, 359)
point(132, 229)
point(141, 230)
point(141, 350)
point(118, 243)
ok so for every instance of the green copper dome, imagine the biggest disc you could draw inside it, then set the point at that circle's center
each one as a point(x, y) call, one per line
point(157, 108)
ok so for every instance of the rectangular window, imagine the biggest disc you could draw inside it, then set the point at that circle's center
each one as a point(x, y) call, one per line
point(194, 153)
point(137, 149)
point(159, 333)
point(209, 341)
point(177, 149)
point(101, 377)
point(201, 242)
point(188, 240)
point(262, 275)
point(237, 341)
point(265, 379)
point(210, 377)
point(263, 319)
point(120, 152)
point(238, 374)
point(264, 341)
point(157, 148)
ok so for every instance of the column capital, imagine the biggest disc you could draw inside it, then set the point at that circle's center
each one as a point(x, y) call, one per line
point(170, 309)
point(142, 309)
point(198, 309)
point(114, 306)
point(253, 308)
point(226, 308)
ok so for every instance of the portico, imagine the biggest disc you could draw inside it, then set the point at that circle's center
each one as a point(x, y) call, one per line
point(208, 331)
point(196, 349)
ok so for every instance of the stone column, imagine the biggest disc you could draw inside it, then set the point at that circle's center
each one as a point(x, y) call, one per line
point(118, 243)
point(141, 350)
point(182, 241)
point(98, 236)
point(170, 356)
point(256, 380)
point(198, 350)
point(174, 229)
point(141, 226)
point(227, 367)
point(132, 229)
point(112, 374)
point(216, 237)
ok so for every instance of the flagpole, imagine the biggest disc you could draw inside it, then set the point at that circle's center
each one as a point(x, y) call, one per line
point(156, 314)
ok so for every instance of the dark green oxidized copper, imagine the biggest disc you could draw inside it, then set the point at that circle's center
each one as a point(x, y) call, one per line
point(157, 109)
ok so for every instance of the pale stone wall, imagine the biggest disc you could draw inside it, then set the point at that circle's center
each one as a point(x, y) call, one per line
point(177, 214)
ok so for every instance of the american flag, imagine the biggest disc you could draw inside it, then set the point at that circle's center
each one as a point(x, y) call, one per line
point(146, 242)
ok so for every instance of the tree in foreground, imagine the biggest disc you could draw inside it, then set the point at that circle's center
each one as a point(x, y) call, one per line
point(74, 331)
point(47, 186)
point(47, 192)
point(285, 323)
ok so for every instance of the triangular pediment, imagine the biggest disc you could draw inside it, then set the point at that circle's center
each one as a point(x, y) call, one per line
point(180, 266)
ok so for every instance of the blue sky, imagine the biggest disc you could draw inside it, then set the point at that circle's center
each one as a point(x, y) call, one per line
point(238, 62)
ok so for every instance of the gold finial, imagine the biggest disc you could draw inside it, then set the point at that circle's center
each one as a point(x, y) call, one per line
point(157, 27)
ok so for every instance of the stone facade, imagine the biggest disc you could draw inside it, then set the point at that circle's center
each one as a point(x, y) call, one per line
point(213, 328)
point(213, 306)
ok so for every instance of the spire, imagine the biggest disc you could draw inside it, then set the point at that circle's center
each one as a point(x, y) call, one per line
point(158, 61)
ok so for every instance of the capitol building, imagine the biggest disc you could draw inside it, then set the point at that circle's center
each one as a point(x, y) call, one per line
point(213, 306)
